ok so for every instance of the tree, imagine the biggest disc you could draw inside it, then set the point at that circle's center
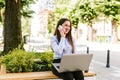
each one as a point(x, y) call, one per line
point(24, 8)
point(87, 15)
point(12, 23)
point(74, 15)
point(111, 10)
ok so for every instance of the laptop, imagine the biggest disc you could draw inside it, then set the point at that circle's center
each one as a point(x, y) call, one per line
point(74, 62)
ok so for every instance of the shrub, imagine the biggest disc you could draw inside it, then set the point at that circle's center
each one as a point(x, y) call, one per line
point(44, 61)
point(18, 61)
point(21, 61)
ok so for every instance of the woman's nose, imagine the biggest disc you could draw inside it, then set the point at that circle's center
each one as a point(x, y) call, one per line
point(66, 26)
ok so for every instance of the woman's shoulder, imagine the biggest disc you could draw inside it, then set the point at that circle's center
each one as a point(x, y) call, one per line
point(53, 38)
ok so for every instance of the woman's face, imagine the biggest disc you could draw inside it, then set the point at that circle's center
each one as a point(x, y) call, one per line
point(66, 26)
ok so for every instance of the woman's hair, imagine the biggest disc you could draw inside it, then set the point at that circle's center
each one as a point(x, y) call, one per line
point(68, 36)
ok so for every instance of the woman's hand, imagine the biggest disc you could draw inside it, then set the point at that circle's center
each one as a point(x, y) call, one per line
point(62, 32)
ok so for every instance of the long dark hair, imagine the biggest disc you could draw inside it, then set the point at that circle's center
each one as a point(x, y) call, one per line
point(68, 36)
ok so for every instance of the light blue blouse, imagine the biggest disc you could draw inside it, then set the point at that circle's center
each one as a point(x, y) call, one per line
point(62, 47)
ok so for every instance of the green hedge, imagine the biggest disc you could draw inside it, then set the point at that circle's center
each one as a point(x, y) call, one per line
point(43, 61)
point(22, 61)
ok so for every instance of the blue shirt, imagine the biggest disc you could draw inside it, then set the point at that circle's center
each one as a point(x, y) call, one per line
point(62, 47)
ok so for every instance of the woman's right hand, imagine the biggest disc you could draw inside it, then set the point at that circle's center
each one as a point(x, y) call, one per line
point(62, 32)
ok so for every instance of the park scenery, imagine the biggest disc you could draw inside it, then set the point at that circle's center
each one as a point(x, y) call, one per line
point(27, 25)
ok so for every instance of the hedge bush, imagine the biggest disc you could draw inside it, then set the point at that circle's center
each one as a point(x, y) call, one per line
point(43, 61)
point(22, 61)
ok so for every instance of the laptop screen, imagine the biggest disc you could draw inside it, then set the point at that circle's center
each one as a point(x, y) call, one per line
point(72, 62)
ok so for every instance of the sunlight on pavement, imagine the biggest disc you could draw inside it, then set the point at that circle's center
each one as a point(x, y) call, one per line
point(116, 73)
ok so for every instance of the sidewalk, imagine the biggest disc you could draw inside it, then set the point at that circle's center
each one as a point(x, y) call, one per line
point(104, 73)
point(97, 46)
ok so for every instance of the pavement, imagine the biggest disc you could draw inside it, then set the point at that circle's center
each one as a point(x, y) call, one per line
point(103, 72)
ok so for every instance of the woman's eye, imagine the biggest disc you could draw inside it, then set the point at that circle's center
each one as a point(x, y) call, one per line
point(66, 25)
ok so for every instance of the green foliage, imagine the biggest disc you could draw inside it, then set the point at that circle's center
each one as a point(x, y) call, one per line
point(21, 61)
point(111, 9)
point(18, 61)
point(25, 7)
point(44, 61)
point(88, 13)
point(2, 4)
point(83, 11)
point(51, 23)
point(74, 17)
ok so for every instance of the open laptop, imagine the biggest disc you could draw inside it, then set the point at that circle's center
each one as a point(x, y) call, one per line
point(73, 62)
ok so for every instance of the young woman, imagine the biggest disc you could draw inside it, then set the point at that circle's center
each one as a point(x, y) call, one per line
point(63, 43)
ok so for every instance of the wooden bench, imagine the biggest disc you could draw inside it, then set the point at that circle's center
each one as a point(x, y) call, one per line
point(33, 75)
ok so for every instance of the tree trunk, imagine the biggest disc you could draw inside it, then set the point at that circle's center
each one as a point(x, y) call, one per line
point(12, 26)
point(90, 33)
point(114, 31)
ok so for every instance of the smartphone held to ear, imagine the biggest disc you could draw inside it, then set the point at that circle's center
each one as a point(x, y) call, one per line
point(60, 27)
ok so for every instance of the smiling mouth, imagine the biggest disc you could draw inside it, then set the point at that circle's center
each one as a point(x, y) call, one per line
point(66, 31)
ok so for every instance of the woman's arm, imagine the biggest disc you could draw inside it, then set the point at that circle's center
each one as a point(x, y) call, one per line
point(57, 47)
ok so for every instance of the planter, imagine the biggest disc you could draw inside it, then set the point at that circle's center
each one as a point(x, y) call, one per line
point(2, 69)
point(24, 75)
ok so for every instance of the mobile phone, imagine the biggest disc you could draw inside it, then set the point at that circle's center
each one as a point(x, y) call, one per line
point(60, 27)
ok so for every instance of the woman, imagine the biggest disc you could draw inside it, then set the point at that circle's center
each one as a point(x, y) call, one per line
point(63, 43)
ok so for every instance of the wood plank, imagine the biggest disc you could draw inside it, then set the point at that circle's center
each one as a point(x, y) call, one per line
point(35, 75)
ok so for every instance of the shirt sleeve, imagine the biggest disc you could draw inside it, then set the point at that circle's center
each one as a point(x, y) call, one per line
point(57, 47)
